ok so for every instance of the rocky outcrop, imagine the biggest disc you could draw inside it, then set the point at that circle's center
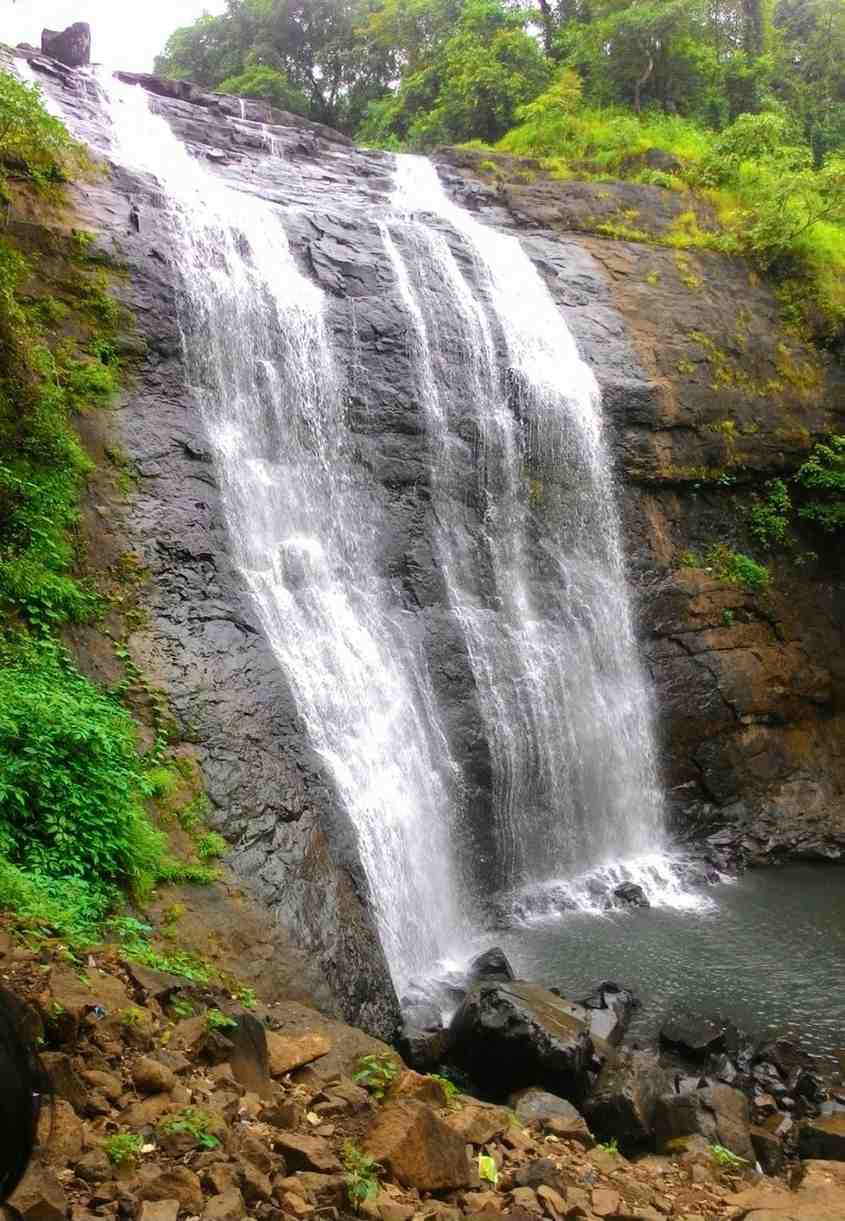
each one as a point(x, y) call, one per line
point(71, 47)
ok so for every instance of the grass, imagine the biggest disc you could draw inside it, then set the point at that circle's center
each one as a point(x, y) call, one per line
point(123, 1148)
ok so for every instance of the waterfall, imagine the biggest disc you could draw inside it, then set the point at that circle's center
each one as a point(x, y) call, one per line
point(304, 525)
point(539, 587)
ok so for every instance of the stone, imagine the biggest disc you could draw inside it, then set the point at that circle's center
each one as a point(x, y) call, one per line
point(40, 1196)
point(631, 894)
point(609, 1008)
point(540, 1173)
point(509, 1036)
point(179, 1183)
point(605, 1202)
point(64, 1079)
point(622, 1103)
point(769, 1150)
point(287, 1115)
point(478, 1124)
point(156, 985)
point(147, 1112)
point(71, 46)
point(554, 1204)
point(415, 1085)
point(109, 1084)
point(228, 1206)
point(219, 1177)
point(158, 1210)
point(93, 1167)
point(417, 1147)
point(252, 1148)
point(694, 1035)
point(289, 1052)
point(307, 1152)
point(321, 1188)
point(718, 1113)
point(60, 1133)
point(149, 1076)
point(526, 1197)
point(255, 1185)
point(491, 965)
point(823, 1138)
point(250, 1060)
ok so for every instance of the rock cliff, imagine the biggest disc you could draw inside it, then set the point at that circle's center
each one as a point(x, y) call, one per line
point(706, 394)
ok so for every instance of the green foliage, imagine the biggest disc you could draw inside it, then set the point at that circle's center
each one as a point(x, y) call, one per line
point(71, 780)
point(211, 845)
point(194, 1122)
point(215, 1020)
point(245, 996)
point(266, 85)
point(822, 480)
point(123, 1148)
point(361, 1174)
point(376, 1073)
point(449, 1088)
point(610, 1146)
point(33, 144)
point(725, 1157)
point(735, 568)
point(769, 516)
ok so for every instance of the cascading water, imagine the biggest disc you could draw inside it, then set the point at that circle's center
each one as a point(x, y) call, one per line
point(540, 588)
point(304, 525)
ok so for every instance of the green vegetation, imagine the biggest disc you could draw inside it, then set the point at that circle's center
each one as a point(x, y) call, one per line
point(215, 1020)
point(193, 1122)
point(822, 480)
point(724, 1157)
point(449, 1088)
point(361, 1173)
point(738, 105)
point(729, 566)
point(123, 1148)
point(769, 516)
point(376, 1073)
point(34, 145)
point(611, 1146)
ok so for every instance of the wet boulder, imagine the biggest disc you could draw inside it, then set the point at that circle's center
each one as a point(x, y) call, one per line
point(631, 894)
point(71, 46)
point(510, 1036)
point(609, 1008)
point(622, 1104)
point(423, 1040)
point(538, 1108)
point(491, 965)
point(695, 1036)
point(716, 1112)
point(823, 1138)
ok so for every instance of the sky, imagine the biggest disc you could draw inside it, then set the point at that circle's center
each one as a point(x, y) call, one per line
point(125, 34)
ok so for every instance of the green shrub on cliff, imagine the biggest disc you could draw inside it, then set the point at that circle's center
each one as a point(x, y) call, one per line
point(822, 478)
point(33, 144)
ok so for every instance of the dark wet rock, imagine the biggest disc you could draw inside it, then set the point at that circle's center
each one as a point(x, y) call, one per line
point(769, 1150)
point(71, 46)
point(491, 965)
point(508, 1036)
point(823, 1138)
point(696, 1036)
point(622, 1104)
point(631, 894)
point(423, 1039)
point(717, 1113)
point(538, 1108)
point(610, 1008)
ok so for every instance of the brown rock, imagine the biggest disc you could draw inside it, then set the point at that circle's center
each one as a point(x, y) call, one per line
point(228, 1206)
point(554, 1204)
point(285, 1115)
point(526, 1197)
point(189, 1033)
point(143, 1114)
point(149, 1076)
point(180, 1184)
point(414, 1085)
point(322, 1188)
point(156, 984)
point(250, 1057)
point(479, 1124)
point(108, 1084)
point(40, 1196)
point(255, 1185)
point(253, 1150)
point(307, 1152)
point(64, 1079)
point(605, 1202)
point(542, 1172)
point(158, 1210)
point(60, 1133)
point(295, 1204)
point(482, 1202)
point(93, 1167)
point(418, 1148)
point(389, 1210)
point(289, 1052)
point(220, 1177)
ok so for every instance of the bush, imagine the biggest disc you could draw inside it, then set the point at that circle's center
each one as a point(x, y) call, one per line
point(266, 85)
point(736, 568)
point(769, 517)
point(71, 779)
point(822, 477)
point(32, 142)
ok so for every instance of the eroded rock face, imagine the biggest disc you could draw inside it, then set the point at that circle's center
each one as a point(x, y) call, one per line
point(71, 47)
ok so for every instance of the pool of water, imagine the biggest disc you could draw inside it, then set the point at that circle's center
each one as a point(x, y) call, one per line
point(769, 953)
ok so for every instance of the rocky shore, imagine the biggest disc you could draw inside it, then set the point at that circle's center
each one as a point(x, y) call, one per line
point(174, 1100)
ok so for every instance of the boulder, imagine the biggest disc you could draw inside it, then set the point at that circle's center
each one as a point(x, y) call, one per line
point(479, 1123)
point(823, 1139)
point(609, 1009)
point(71, 46)
point(307, 1152)
point(40, 1196)
point(423, 1040)
point(149, 1076)
point(696, 1036)
point(769, 1150)
point(64, 1079)
point(60, 1132)
point(415, 1085)
point(250, 1059)
point(418, 1148)
point(622, 1104)
point(179, 1183)
point(537, 1108)
point(509, 1036)
point(228, 1206)
point(489, 966)
point(631, 894)
point(158, 1210)
point(718, 1113)
point(287, 1052)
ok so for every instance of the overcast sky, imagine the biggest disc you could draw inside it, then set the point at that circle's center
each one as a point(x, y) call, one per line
point(127, 34)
